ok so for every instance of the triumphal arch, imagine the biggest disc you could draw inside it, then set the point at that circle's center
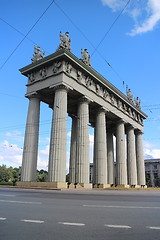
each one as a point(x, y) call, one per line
point(71, 86)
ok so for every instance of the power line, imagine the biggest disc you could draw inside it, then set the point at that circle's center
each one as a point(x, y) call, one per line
point(110, 27)
point(26, 35)
point(11, 26)
point(95, 48)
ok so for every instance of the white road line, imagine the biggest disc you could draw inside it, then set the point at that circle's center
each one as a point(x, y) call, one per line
point(72, 224)
point(117, 226)
point(132, 207)
point(154, 228)
point(7, 195)
point(2, 219)
point(32, 221)
point(6, 201)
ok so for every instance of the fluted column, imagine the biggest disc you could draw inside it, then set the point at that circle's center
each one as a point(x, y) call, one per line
point(140, 159)
point(131, 157)
point(30, 150)
point(110, 158)
point(100, 150)
point(121, 166)
point(73, 151)
point(82, 166)
point(57, 154)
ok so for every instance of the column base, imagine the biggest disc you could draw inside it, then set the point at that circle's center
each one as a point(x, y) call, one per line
point(135, 186)
point(83, 185)
point(122, 186)
point(71, 185)
point(143, 186)
point(43, 184)
point(102, 186)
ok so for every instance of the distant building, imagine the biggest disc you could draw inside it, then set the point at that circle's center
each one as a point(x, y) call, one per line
point(152, 171)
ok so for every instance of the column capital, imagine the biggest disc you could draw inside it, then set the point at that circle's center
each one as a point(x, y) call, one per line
point(138, 131)
point(121, 121)
point(85, 99)
point(129, 127)
point(60, 86)
point(102, 109)
point(32, 95)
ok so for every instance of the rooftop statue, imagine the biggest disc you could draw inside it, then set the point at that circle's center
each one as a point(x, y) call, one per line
point(65, 42)
point(137, 102)
point(85, 57)
point(129, 94)
point(38, 54)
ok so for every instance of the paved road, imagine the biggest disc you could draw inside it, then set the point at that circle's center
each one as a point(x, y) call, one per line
point(79, 215)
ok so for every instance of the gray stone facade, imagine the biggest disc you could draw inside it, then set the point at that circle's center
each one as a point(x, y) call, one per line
point(69, 86)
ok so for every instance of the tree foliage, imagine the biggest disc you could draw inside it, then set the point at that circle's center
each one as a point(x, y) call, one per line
point(9, 174)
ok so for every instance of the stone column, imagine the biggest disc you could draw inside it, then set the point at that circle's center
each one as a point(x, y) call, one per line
point(30, 150)
point(110, 158)
point(140, 159)
point(100, 150)
point(82, 166)
point(73, 153)
point(131, 157)
point(121, 166)
point(57, 154)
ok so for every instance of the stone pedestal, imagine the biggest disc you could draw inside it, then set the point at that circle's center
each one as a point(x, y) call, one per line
point(30, 150)
point(83, 186)
point(102, 186)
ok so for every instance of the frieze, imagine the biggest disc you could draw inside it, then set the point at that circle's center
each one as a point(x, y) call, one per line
point(88, 81)
point(79, 75)
point(43, 72)
point(31, 77)
point(56, 66)
point(97, 88)
point(68, 68)
point(105, 93)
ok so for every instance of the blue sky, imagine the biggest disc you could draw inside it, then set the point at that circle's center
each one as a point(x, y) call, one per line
point(131, 46)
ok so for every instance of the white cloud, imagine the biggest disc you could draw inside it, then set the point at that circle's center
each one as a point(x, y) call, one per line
point(11, 154)
point(145, 15)
point(150, 151)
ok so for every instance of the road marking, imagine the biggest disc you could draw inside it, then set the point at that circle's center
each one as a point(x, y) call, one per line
point(20, 202)
point(72, 224)
point(117, 226)
point(132, 207)
point(7, 195)
point(32, 221)
point(154, 228)
point(2, 219)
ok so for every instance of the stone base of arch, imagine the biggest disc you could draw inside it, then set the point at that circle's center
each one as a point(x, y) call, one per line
point(57, 185)
point(101, 185)
point(83, 186)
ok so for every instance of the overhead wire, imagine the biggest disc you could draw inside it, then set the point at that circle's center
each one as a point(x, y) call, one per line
point(15, 49)
point(11, 26)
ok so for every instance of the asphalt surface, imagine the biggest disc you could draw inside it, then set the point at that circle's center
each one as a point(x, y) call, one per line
point(27, 214)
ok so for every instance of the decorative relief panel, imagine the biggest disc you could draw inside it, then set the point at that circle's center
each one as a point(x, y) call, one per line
point(79, 76)
point(88, 81)
point(68, 68)
point(56, 67)
point(31, 77)
point(103, 92)
point(43, 72)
